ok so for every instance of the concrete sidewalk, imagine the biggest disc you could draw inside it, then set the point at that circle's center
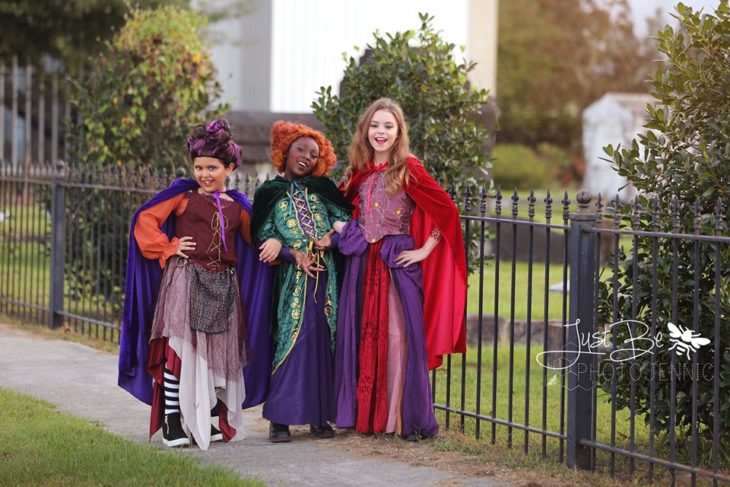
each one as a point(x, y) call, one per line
point(82, 381)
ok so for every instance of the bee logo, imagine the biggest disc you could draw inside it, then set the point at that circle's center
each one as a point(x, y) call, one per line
point(684, 340)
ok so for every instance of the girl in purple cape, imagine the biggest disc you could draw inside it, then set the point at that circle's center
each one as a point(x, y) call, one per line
point(197, 334)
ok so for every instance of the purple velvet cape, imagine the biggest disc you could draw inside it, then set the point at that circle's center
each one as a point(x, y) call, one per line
point(140, 295)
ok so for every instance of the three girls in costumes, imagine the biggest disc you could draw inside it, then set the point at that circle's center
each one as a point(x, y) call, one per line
point(404, 290)
point(294, 220)
point(192, 282)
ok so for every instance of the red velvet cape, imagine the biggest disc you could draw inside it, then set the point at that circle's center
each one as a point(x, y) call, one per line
point(444, 271)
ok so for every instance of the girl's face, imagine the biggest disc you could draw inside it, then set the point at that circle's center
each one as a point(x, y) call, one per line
point(382, 134)
point(211, 174)
point(301, 158)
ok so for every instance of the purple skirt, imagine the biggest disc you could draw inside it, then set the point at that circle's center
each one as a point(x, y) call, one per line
point(417, 406)
point(302, 387)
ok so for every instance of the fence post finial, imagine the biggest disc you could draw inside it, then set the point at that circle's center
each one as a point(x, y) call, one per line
point(468, 202)
point(698, 216)
point(635, 213)
point(482, 200)
point(531, 205)
point(676, 223)
point(548, 207)
point(719, 216)
point(599, 209)
point(617, 211)
point(498, 202)
point(655, 210)
point(583, 198)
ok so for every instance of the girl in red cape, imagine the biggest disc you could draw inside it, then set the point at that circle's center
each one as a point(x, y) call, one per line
point(404, 289)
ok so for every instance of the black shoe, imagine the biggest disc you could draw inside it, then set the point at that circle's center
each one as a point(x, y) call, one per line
point(279, 433)
point(412, 437)
point(172, 431)
point(323, 431)
point(215, 434)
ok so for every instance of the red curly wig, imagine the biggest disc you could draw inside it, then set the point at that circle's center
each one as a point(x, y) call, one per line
point(284, 133)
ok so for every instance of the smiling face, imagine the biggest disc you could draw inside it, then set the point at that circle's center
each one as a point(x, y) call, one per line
point(382, 134)
point(211, 174)
point(301, 158)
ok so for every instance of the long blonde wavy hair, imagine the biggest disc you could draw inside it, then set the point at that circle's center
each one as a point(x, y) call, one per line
point(361, 153)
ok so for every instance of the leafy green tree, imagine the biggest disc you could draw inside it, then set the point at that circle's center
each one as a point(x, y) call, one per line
point(432, 88)
point(144, 93)
point(142, 96)
point(684, 155)
point(70, 31)
point(556, 57)
point(67, 31)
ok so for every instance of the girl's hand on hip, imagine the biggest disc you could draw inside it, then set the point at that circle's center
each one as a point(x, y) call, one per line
point(184, 245)
point(269, 250)
point(408, 257)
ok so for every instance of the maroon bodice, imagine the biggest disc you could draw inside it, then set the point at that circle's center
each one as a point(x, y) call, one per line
point(382, 213)
point(200, 221)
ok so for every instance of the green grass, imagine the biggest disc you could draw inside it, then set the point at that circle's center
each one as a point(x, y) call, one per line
point(24, 252)
point(40, 446)
point(25, 272)
point(25, 278)
point(521, 287)
point(20, 219)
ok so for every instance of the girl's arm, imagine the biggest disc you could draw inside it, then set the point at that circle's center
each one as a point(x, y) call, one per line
point(408, 257)
point(328, 241)
point(331, 238)
point(152, 241)
point(338, 218)
point(245, 228)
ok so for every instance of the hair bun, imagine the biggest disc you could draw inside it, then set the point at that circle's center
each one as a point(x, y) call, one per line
point(219, 131)
point(214, 140)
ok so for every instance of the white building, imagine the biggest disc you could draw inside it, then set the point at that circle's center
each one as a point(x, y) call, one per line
point(615, 118)
point(278, 56)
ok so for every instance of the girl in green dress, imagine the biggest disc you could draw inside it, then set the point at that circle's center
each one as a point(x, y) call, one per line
point(296, 217)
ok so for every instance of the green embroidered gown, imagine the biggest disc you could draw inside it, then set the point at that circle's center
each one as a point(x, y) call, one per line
point(304, 308)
